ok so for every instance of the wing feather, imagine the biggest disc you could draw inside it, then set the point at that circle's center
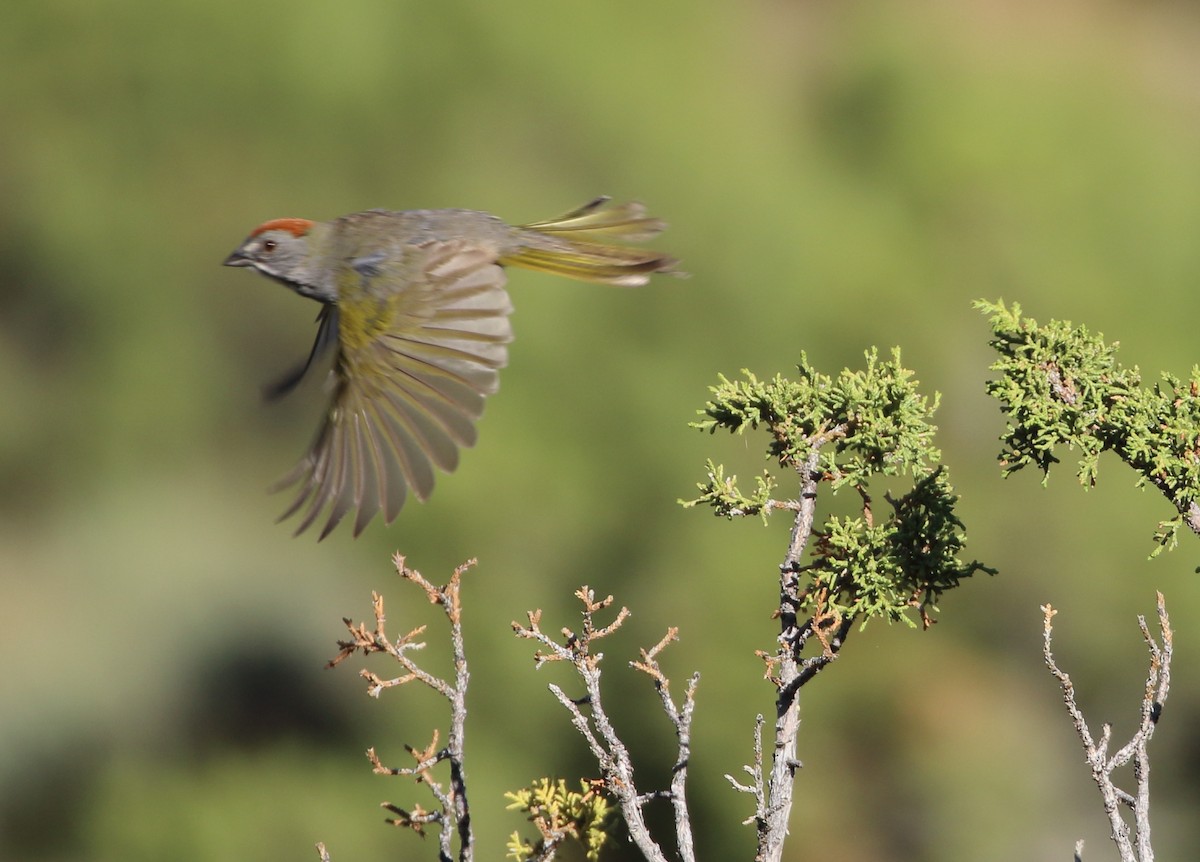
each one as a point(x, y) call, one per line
point(368, 499)
point(407, 395)
point(343, 494)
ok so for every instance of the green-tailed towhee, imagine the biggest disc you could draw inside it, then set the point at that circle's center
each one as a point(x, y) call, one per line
point(416, 306)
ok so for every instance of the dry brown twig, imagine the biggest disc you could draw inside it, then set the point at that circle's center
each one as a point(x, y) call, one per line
point(452, 814)
point(610, 752)
point(1133, 844)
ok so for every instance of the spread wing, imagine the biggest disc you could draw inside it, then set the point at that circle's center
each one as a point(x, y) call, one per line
point(412, 372)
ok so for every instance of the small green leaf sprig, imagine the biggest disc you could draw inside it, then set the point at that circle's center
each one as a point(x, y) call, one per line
point(559, 813)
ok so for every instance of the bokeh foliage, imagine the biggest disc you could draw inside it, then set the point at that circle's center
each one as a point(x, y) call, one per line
point(836, 176)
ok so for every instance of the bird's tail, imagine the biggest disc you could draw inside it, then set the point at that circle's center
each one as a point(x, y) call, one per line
point(575, 245)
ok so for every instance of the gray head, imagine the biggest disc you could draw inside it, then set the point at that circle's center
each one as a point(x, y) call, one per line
point(282, 249)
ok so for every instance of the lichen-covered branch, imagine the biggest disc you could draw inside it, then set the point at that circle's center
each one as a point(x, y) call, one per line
point(1133, 845)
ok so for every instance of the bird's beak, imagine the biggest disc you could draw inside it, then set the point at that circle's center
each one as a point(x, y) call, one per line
point(238, 259)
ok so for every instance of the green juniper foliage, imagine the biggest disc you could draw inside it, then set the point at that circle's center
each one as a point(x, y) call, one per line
point(583, 815)
point(844, 432)
point(1061, 385)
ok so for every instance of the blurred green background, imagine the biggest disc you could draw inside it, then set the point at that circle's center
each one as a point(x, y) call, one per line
point(836, 175)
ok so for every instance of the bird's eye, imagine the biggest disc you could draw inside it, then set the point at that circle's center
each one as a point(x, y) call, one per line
point(268, 246)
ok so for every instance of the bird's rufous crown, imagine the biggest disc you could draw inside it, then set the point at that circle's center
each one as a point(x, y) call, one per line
point(294, 226)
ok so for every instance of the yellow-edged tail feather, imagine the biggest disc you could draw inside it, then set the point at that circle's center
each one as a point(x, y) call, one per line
point(573, 245)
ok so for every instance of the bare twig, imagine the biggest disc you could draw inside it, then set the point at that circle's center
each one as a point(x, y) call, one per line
point(610, 752)
point(453, 815)
point(755, 772)
point(1158, 682)
point(681, 718)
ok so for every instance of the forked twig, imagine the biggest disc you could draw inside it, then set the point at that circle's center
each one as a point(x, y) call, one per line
point(597, 729)
point(1133, 847)
point(453, 814)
